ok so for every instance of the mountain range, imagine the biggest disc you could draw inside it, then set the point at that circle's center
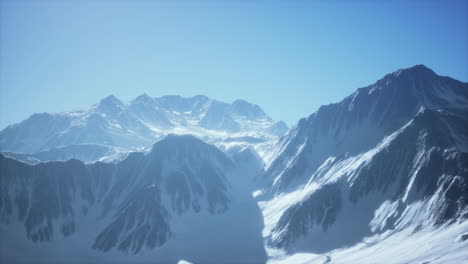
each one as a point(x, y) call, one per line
point(379, 177)
point(111, 127)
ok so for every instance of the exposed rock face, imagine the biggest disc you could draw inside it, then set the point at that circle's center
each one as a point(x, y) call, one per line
point(391, 156)
point(134, 199)
point(362, 120)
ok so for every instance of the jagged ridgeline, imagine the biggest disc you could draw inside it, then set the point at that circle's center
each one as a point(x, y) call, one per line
point(390, 160)
point(111, 128)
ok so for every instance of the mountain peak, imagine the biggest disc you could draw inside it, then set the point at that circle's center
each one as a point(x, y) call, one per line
point(110, 100)
point(200, 97)
point(187, 147)
point(180, 138)
point(418, 76)
point(173, 140)
point(144, 95)
point(109, 105)
point(143, 98)
point(418, 70)
point(240, 102)
point(419, 67)
point(245, 108)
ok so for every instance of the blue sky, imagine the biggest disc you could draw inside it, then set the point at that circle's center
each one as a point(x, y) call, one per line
point(289, 57)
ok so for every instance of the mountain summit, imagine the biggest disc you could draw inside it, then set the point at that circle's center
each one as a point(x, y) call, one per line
point(361, 120)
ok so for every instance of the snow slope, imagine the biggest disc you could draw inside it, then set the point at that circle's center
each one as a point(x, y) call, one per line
point(435, 246)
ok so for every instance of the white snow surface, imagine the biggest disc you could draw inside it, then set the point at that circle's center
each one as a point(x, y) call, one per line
point(431, 246)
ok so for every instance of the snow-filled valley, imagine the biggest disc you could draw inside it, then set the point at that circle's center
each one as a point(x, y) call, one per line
point(379, 177)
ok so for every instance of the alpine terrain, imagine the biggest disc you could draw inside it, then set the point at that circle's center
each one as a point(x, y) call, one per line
point(111, 128)
point(380, 177)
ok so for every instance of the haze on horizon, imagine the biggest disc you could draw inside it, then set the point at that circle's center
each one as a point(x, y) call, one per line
point(289, 58)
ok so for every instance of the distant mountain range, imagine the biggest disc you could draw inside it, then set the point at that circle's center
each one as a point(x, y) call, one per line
point(120, 127)
point(379, 177)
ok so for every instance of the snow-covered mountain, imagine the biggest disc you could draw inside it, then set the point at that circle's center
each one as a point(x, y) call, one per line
point(363, 119)
point(143, 121)
point(390, 158)
point(151, 206)
point(380, 177)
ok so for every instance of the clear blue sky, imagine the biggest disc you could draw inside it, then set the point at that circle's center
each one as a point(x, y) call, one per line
point(289, 57)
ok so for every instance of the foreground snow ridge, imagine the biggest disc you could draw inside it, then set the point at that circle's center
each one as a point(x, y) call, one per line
point(429, 246)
